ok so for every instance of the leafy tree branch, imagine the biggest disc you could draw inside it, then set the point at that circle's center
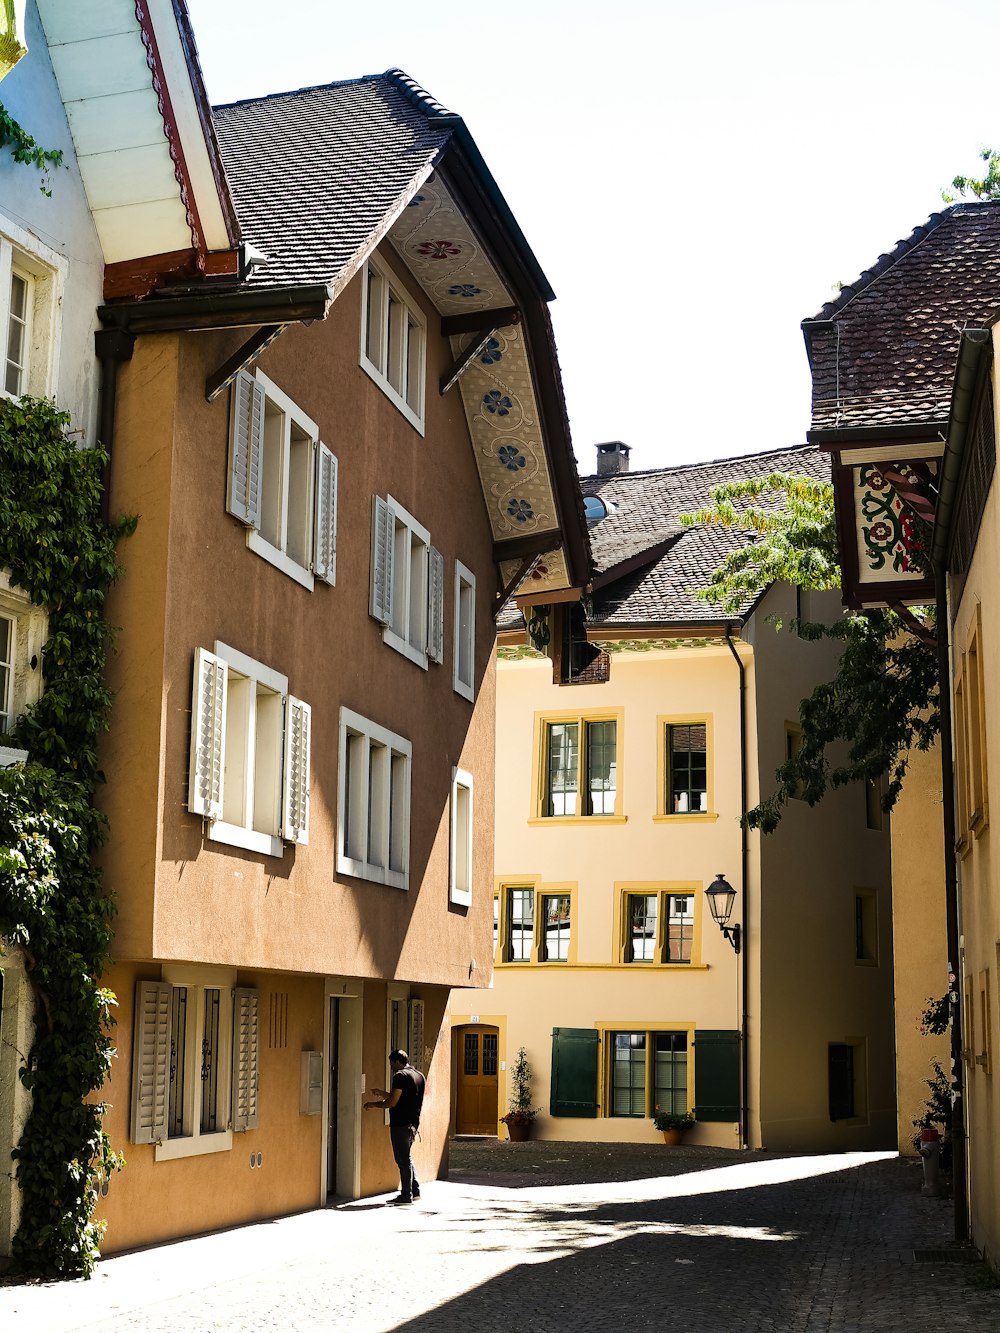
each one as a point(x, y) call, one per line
point(883, 699)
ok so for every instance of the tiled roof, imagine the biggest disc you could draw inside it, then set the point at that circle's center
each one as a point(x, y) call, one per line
point(318, 173)
point(884, 352)
point(645, 508)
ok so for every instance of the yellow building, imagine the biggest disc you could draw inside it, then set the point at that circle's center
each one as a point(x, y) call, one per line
point(904, 397)
point(623, 767)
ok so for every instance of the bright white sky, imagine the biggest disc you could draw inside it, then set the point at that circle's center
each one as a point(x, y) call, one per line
point(693, 175)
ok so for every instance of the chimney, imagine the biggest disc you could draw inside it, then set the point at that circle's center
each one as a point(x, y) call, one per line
point(612, 458)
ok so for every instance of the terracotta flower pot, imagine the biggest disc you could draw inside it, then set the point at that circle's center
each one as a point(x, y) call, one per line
point(519, 1131)
point(673, 1135)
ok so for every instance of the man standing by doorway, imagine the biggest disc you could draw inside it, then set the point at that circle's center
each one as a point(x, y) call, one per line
point(403, 1102)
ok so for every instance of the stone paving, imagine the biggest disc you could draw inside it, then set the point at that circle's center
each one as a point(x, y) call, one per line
point(547, 1237)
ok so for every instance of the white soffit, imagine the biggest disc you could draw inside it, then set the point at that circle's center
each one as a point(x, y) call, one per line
point(113, 111)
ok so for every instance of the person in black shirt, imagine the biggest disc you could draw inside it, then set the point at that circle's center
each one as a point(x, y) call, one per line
point(403, 1101)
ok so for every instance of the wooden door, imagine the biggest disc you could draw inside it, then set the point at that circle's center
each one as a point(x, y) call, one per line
point(478, 1049)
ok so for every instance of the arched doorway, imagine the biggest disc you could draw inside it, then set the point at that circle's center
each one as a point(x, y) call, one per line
point(477, 1082)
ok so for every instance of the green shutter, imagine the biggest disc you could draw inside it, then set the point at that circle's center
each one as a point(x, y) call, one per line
point(717, 1075)
point(574, 1072)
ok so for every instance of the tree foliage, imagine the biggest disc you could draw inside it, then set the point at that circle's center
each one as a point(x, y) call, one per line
point(883, 699)
point(986, 188)
point(52, 902)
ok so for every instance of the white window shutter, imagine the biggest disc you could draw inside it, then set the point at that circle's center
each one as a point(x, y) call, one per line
point(382, 534)
point(416, 1035)
point(295, 782)
point(325, 536)
point(246, 450)
point(150, 1062)
point(208, 730)
point(246, 1047)
point(435, 605)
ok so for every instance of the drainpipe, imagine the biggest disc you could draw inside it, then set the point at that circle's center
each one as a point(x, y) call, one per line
point(744, 914)
point(112, 346)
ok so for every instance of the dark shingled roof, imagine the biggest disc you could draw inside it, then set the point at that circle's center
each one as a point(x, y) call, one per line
point(646, 510)
point(348, 154)
point(884, 352)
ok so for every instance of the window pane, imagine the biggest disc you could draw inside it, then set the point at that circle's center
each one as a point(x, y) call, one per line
point(399, 789)
point(417, 635)
point(556, 923)
point(6, 672)
point(680, 927)
point(496, 923)
point(641, 942)
point(564, 738)
point(670, 1072)
point(16, 329)
point(378, 812)
point(298, 507)
point(687, 762)
point(272, 487)
point(178, 1060)
point(628, 1074)
point(601, 767)
point(236, 755)
point(489, 1053)
point(414, 365)
point(268, 735)
point(470, 1064)
point(520, 924)
point(210, 1064)
point(373, 333)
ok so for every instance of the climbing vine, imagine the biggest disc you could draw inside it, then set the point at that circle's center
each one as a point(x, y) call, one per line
point(23, 148)
point(53, 905)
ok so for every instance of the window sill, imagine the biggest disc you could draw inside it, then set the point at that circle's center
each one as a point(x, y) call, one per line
point(404, 647)
point(695, 817)
point(196, 1145)
point(393, 879)
point(249, 839)
point(279, 559)
point(603, 967)
point(539, 820)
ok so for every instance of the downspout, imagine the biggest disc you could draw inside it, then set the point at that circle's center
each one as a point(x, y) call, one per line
point(112, 346)
point(973, 344)
point(744, 914)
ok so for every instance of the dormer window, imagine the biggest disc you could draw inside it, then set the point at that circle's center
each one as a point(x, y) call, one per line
point(393, 340)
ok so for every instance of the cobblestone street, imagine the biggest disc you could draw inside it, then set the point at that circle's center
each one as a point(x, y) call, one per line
point(553, 1237)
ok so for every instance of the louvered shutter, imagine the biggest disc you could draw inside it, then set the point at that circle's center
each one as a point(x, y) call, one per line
point(295, 782)
point(435, 605)
point(717, 1075)
point(325, 536)
point(246, 1045)
point(208, 729)
point(150, 1062)
point(416, 1035)
point(382, 533)
point(573, 1089)
point(246, 450)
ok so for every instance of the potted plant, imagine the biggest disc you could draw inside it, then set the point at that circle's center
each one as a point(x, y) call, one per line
point(520, 1116)
point(673, 1126)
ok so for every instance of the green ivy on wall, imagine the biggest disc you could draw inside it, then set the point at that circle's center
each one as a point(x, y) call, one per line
point(61, 552)
point(24, 149)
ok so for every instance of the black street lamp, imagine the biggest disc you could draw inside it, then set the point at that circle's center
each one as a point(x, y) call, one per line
point(721, 895)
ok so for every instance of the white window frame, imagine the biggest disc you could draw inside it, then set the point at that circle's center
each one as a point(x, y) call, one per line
point(464, 675)
point(45, 272)
point(237, 1058)
point(29, 630)
point(404, 382)
point(460, 841)
point(210, 725)
point(262, 417)
point(381, 823)
point(407, 584)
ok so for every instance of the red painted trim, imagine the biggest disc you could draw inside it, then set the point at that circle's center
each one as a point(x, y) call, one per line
point(173, 133)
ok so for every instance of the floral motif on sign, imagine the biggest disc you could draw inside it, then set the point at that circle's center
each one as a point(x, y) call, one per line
point(439, 249)
point(491, 353)
point(520, 510)
point(497, 403)
point(540, 572)
point(416, 201)
point(888, 531)
point(464, 289)
point(511, 457)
